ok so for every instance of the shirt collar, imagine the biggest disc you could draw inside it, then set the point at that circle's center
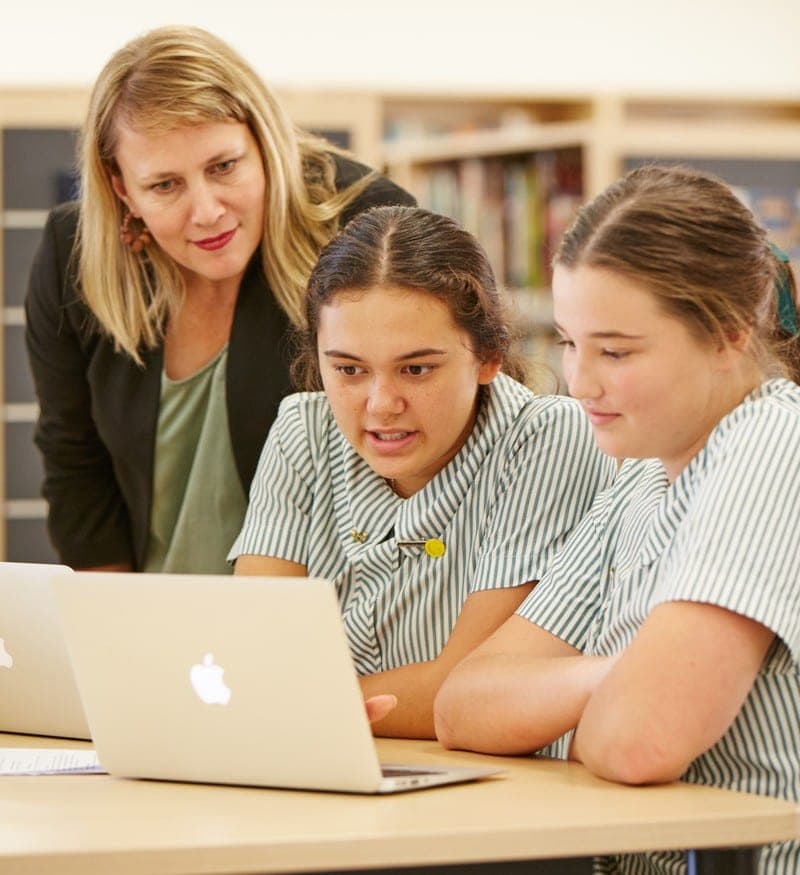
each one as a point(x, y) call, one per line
point(368, 510)
point(677, 496)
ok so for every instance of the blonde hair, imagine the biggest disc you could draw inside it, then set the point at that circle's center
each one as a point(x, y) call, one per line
point(685, 236)
point(169, 78)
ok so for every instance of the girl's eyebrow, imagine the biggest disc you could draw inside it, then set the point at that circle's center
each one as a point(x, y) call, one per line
point(604, 335)
point(417, 353)
point(617, 334)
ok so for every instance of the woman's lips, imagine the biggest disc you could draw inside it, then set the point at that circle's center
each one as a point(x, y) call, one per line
point(212, 243)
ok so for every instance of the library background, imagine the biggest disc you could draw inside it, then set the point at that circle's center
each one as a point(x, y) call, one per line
point(511, 169)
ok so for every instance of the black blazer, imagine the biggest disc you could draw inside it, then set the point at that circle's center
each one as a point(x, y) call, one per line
point(99, 410)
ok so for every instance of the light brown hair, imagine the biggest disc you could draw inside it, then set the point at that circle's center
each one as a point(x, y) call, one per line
point(685, 236)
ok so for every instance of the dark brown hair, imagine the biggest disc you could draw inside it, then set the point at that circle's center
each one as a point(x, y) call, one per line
point(686, 236)
point(411, 248)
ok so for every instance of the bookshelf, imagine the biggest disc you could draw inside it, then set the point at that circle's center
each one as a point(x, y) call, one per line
point(37, 145)
point(608, 128)
point(467, 158)
point(512, 167)
point(512, 170)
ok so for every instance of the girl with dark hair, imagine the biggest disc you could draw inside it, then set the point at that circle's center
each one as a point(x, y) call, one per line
point(664, 641)
point(428, 484)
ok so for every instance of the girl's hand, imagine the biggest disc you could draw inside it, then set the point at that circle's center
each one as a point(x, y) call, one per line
point(379, 706)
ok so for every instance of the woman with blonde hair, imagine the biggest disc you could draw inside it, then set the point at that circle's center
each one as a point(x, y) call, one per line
point(160, 303)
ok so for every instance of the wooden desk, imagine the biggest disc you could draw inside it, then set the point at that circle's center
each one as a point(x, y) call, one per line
point(539, 809)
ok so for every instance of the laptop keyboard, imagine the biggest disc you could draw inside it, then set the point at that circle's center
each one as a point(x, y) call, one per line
point(400, 772)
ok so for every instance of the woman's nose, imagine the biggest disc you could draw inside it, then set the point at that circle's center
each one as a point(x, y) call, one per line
point(207, 209)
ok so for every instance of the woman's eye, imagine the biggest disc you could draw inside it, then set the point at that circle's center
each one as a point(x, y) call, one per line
point(225, 166)
point(615, 353)
point(347, 370)
point(164, 187)
point(562, 341)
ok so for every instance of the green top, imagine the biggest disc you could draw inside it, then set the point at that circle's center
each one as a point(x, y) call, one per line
point(198, 499)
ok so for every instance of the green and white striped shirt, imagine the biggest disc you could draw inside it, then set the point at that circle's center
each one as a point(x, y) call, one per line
point(724, 533)
point(503, 507)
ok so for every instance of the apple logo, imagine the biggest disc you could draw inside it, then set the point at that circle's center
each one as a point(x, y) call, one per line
point(6, 660)
point(207, 681)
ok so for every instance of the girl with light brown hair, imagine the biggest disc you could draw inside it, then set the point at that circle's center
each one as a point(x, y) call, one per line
point(664, 640)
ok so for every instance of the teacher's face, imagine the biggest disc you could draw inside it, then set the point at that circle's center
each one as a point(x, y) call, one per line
point(401, 379)
point(200, 190)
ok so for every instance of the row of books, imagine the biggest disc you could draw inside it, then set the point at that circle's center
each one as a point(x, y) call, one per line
point(449, 120)
point(517, 206)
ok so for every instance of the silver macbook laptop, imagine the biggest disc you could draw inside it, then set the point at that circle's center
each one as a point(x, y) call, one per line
point(225, 680)
point(37, 688)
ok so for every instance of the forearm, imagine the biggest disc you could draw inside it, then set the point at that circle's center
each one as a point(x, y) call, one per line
point(515, 704)
point(617, 738)
point(415, 687)
point(674, 692)
point(268, 566)
point(116, 566)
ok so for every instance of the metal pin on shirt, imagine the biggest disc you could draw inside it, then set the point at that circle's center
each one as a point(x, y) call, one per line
point(433, 546)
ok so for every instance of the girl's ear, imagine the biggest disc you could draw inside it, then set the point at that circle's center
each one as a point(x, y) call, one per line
point(736, 344)
point(738, 341)
point(488, 371)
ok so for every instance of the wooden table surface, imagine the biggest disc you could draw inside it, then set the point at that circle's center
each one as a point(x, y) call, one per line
point(537, 809)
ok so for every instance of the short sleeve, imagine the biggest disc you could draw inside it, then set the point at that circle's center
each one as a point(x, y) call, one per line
point(739, 547)
point(567, 599)
point(277, 520)
point(548, 485)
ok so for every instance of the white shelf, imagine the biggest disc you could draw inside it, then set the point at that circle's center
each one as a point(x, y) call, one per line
point(20, 412)
point(13, 316)
point(26, 509)
point(24, 219)
point(499, 141)
point(756, 141)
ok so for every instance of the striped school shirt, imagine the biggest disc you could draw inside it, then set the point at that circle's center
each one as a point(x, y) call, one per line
point(724, 533)
point(503, 506)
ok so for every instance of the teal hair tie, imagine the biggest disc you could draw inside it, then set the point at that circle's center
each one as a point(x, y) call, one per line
point(785, 306)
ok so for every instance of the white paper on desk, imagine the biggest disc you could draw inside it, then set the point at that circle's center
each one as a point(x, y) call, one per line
point(48, 761)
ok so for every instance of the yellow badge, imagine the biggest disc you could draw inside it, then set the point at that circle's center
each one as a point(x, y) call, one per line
point(435, 548)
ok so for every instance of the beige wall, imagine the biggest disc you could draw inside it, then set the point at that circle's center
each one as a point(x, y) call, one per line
point(676, 46)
